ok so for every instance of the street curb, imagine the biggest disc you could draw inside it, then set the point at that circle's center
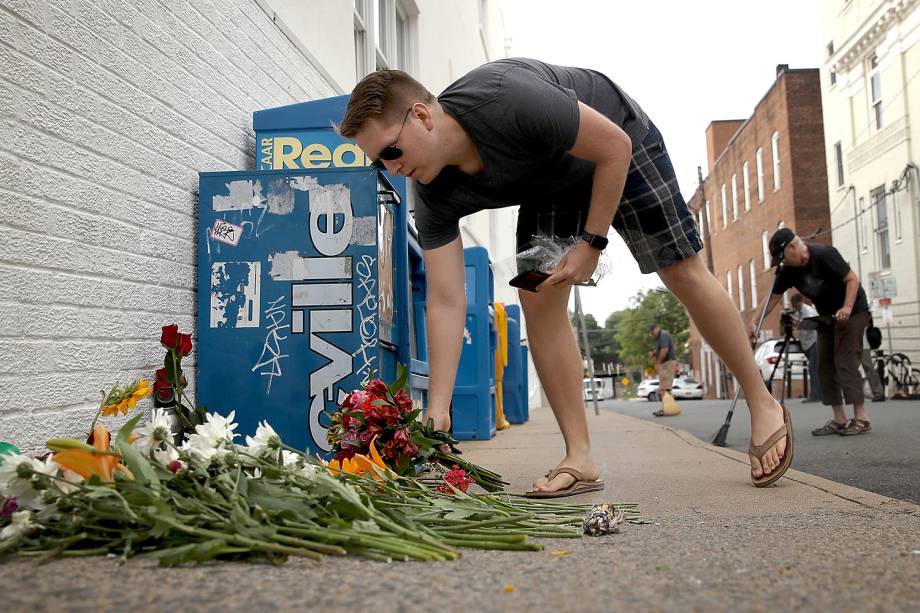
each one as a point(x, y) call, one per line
point(861, 497)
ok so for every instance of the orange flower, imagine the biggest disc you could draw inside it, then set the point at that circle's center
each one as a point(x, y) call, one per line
point(86, 463)
point(360, 465)
point(124, 399)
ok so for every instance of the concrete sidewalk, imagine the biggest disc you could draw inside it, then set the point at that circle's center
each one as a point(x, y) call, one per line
point(717, 543)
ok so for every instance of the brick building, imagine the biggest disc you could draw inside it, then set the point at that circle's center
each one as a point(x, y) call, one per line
point(766, 172)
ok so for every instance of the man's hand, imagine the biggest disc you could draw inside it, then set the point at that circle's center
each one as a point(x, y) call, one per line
point(752, 330)
point(843, 313)
point(576, 266)
point(441, 419)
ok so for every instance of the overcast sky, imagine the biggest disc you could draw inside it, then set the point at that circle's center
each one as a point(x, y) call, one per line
point(686, 63)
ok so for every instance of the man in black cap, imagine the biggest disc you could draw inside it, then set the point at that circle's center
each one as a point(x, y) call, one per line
point(820, 273)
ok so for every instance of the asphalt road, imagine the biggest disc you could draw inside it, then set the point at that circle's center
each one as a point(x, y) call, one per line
point(885, 461)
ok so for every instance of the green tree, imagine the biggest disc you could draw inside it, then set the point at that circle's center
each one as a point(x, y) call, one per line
point(655, 306)
point(601, 340)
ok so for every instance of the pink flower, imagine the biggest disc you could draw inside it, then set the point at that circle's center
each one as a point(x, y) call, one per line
point(10, 506)
point(175, 466)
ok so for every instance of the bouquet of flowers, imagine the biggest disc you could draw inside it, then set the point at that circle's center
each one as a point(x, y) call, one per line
point(382, 416)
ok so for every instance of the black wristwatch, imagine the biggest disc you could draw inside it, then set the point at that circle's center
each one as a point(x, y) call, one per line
point(595, 240)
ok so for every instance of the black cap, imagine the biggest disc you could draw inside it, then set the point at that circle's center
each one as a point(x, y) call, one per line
point(778, 242)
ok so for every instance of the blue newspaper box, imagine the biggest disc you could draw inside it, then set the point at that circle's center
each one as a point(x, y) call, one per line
point(473, 401)
point(513, 394)
point(302, 136)
point(525, 387)
point(296, 273)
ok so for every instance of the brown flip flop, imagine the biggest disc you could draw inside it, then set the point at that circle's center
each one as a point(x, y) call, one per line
point(581, 485)
point(759, 451)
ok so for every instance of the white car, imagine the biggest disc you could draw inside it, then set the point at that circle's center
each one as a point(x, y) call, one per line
point(771, 352)
point(683, 387)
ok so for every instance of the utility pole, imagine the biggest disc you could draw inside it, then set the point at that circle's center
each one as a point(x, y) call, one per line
point(587, 348)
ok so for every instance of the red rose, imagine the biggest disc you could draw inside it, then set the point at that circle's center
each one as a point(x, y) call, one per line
point(377, 387)
point(185, 344)
point(170, 336)
point(402, 437)
point(403, 401)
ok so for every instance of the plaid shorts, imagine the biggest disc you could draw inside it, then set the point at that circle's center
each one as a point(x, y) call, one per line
point(652, 218)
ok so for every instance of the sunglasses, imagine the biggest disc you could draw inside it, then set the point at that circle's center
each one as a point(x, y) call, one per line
point(391, 152)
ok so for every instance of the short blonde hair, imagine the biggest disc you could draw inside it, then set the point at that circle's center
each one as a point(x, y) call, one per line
point(383, 95)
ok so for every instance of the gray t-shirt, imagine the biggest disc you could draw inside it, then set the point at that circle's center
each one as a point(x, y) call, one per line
point(806, 337)
point(522, 115)
point(665, 340)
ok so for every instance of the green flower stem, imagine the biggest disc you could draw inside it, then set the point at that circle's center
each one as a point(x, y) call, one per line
point(497, 538)
point(320, 547)
point(512, 519)
point(243, 540)
point(496, 545)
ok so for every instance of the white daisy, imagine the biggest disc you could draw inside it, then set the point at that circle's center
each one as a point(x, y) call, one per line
point(22, 523)
point(155, 431)
point(264, 442)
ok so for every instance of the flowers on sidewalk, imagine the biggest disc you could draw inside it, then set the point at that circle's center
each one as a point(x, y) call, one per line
point(385, 414)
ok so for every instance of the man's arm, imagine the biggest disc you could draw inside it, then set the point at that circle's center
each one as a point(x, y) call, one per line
point(852, 281)
point(445, 316)
point(600, 141)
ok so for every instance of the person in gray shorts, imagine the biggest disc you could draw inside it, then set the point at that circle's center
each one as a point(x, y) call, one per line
point(577, 155)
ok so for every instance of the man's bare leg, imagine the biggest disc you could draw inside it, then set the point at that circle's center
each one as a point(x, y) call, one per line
point(720, 324)
point(558, 361)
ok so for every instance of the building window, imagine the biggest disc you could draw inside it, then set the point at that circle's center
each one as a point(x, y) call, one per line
point(741, 306)
point(708, 219)
point(830, 54)
point(759, 158)
point(391, 34)
point(838, 162)
point(700, 225)
point(875, 89)
point(728, 285)
point(362, 51)
point(752, 269)
point(746, 178)
point(864, 232)
point(724, 207)
point(896, 199)
point(402, 38)
point(880, 205)
point(765, 243)
point(774, 145)
point(734, 197)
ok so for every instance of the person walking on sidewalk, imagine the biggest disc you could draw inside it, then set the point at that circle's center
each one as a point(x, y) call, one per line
point(808, 338)
point(578, 155)
point(665, 362)
point(820, 273)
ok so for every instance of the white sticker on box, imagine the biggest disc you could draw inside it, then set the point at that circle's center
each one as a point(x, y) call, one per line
point(226, 232)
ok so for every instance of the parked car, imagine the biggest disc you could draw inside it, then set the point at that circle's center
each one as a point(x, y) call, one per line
point(683, 387)
point(687, 388)
point(603, 388)
point(771, 351)
point(648, 388)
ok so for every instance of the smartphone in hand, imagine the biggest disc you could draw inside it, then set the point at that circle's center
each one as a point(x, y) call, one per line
point(529, 280)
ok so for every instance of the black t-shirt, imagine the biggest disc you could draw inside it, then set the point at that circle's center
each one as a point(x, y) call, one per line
point(523, 117)
point(822, 280)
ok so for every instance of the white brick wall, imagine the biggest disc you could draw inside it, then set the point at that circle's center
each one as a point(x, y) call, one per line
point(108, 110)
